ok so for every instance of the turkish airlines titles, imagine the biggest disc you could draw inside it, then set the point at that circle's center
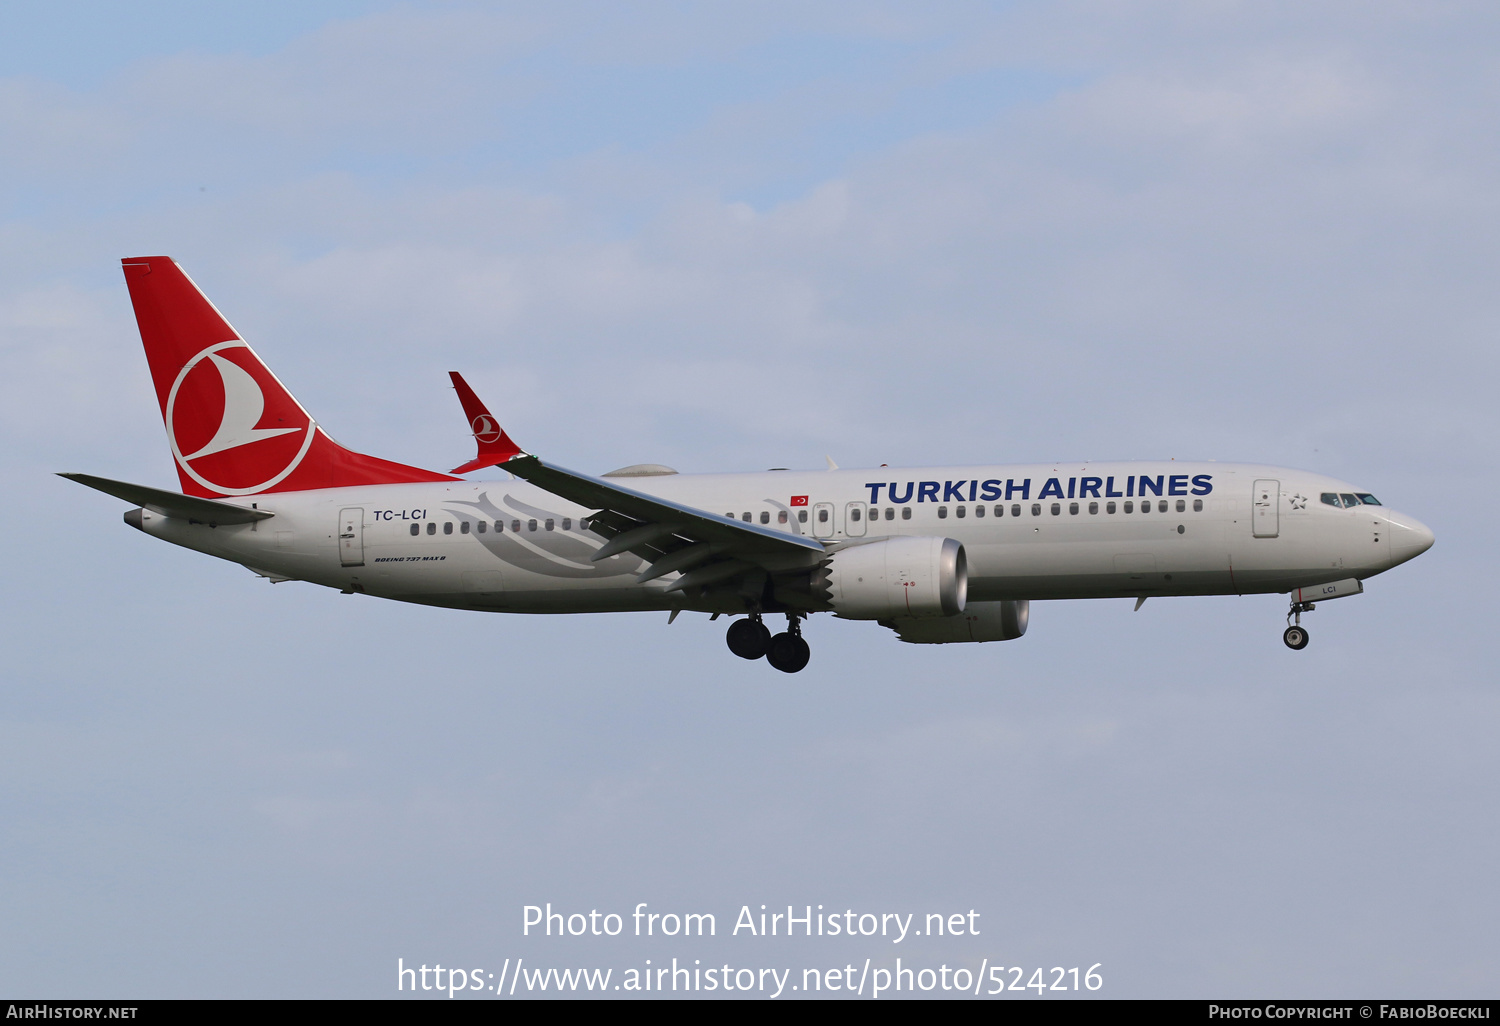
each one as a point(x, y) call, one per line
point(1078, 488)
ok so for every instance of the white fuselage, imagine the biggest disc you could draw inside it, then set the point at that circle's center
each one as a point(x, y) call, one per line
point(1039, 531)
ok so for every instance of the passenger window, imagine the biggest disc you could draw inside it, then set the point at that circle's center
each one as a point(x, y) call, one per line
point(802, 516)
point(1057, 509)
point(1161, 507)
point(1349, 500)
point(531, 525)
point(448, 527)
point(432, 528)
point(1109, 507)
point(781, 517)
point(890, 513)
point(979, 511)
point(515, 525)
point(1368, 499)
point(1093, 508)
point(745, 517)
point(905, 512)
point(1129, 506)
point(960, 512)
point(567, 523)
point(463, 528)
point(1331, 499)
point(499, 526)
point(1181, 505)
point(415, 529)
point(822, 516)
point(549, 523)
point(1000, 511)
point(1072, 509)
point(1197, 505)
point(481, 526)
point(1036, 509)
point(942, 512)
point(1015, 509)
point(765, 516)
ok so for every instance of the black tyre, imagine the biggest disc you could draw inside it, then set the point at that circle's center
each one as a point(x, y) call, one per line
point(788, 653)
point(1296, 638)
point(748, 639)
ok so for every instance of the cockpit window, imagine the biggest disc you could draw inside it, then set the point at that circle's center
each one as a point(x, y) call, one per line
point(1331, 499)
point(1368, 499)
point(1349, 500)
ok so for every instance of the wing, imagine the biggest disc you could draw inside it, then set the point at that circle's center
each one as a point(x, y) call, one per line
point(706, 549)
point(675, 538)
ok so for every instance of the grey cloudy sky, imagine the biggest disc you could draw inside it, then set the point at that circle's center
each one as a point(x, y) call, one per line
point(726, 236)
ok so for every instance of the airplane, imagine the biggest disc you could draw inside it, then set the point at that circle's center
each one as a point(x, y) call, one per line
point(936, 554)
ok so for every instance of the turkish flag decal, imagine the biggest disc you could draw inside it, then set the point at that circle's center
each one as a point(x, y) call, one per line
point(799, 500)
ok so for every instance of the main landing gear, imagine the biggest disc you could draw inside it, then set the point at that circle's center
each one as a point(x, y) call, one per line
point(1295, 635)
point(750, 639)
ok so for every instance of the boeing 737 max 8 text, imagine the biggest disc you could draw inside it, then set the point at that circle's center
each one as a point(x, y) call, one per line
point(937, 554)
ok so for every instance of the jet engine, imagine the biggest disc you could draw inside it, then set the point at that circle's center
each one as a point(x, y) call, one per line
point(905, 577)
point(980, 621)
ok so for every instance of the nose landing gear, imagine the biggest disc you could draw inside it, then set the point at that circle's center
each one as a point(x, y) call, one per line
point(1295, 636)
point(751, 639)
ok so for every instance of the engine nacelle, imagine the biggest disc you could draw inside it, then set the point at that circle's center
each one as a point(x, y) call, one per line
point(905, 577)
point(981, 621)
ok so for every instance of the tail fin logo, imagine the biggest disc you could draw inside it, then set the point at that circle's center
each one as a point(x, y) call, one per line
point(216, 408)
point(485, 429)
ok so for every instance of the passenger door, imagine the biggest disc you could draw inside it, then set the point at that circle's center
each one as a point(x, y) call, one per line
point(351, 537)
point(1265, 511)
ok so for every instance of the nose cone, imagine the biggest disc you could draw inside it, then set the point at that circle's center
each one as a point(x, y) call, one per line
point(1409, 537)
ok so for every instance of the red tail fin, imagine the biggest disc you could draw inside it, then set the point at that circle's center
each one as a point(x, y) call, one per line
point(494, 444)
point(233, 427)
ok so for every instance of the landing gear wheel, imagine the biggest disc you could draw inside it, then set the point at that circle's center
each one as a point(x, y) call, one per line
point(788, 652)
point(1295, 638)
point(749, 638)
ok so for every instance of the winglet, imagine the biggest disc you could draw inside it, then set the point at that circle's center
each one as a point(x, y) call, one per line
point(495, 446)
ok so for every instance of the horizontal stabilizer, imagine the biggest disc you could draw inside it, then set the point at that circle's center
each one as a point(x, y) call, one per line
point(172, 504)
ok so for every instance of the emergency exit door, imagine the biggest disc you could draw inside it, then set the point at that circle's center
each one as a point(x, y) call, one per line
point(1265, 510)
point(351, 537)
point(854, 519)
point(823, 520)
